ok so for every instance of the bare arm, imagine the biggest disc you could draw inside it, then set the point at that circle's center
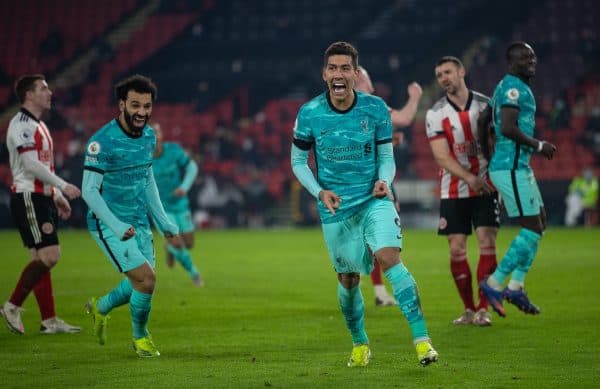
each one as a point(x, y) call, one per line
point(62, 204)
point(511, 130)
point(484, 135)
point(404, 116)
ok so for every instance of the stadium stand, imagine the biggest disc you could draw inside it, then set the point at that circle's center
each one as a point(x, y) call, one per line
point(54, 33)
point(232, 75)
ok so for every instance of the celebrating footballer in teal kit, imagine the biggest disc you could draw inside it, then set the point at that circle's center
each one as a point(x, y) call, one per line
point(512, 113)
point(350, 134)
point(175, 172)
point(120, 190)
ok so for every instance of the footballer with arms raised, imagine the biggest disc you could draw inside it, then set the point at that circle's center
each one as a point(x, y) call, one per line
point(400, 118)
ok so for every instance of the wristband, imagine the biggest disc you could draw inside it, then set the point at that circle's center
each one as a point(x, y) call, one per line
point(540, 146)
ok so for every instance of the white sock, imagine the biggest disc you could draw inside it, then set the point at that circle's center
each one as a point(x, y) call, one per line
point(10, 305)
point(516, 285)
point(380, 290)
point(494, 284)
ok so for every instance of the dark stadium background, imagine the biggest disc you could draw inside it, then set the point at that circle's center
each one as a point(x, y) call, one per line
point(232, 74)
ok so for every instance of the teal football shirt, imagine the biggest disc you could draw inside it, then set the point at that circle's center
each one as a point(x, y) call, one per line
point(124, 162)
point(168, 169)
point(345, 145)
point(511, 91)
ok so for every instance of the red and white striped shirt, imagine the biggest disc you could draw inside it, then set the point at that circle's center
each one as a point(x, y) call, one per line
point(27, 134)
point(459, 128)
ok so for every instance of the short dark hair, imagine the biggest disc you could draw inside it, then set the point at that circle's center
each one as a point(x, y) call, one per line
point(137, 83)
point(449, 58)
point(25, 84)
point(342, 48)
point(513, 47)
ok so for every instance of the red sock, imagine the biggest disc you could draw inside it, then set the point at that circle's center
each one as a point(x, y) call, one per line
point(486, 266)
point(29, 277)
point(376, 274)
point(462, 278)
point(44, 296)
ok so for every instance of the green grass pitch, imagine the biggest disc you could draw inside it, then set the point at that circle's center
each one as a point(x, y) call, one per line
point(268, 317)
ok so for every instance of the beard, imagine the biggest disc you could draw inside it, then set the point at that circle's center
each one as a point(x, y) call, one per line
point(451, 89)
point(135, 130)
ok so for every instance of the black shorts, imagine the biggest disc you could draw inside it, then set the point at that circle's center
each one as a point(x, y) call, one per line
point(36, 217)
point(461, 216)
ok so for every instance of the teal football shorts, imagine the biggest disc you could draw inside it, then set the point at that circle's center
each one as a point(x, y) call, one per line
point(519, 191)
point(126, 255)
point(182, 219)
point(350, 242)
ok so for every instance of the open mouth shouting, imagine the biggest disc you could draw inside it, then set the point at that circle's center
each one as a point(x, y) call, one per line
point(139, 121)
point(339, 88)
point(135, 122)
